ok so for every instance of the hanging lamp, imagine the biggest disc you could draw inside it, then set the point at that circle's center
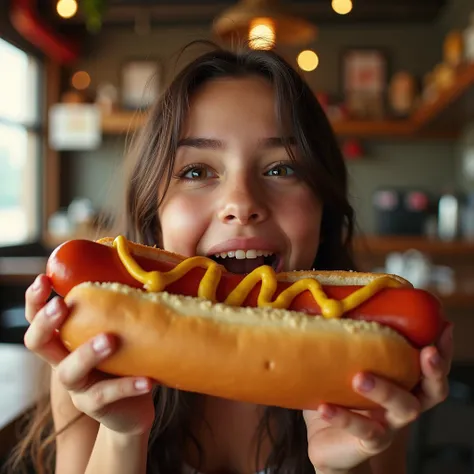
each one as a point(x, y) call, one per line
point(270, 19)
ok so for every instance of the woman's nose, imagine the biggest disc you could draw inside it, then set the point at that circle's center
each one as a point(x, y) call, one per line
point(242, 205)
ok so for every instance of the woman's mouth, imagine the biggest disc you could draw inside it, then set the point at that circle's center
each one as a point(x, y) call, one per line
point(245, 261)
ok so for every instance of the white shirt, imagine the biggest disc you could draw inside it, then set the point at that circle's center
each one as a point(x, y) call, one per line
point(189, 470)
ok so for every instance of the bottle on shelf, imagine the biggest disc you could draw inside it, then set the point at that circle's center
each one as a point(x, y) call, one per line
point(448, 216)
point(469, 40)
point(468, 218)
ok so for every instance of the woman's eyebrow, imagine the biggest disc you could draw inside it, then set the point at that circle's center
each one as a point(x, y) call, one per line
point(201, 143)
point(277, 142)
point(212, 143)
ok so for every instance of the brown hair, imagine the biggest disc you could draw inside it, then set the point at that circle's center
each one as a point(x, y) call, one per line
point(152, 160)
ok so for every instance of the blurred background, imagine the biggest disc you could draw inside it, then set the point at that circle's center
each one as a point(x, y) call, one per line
point(396, 79)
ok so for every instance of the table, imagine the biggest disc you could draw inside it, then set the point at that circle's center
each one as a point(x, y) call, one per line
point(22, 380)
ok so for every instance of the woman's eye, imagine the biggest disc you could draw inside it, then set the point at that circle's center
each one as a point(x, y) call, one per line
point(197, 173)
point(281, 170)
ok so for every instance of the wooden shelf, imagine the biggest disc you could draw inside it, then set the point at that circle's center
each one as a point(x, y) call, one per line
point(442, 117)
point(20, 270)
point(452, 107)
point(458, 300)
point(372, 128)
point(458, 255)
point(52, 241)
point(122, 122)
point(384, 244)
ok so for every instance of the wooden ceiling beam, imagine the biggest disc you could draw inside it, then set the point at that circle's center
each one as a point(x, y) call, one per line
point(319, 12)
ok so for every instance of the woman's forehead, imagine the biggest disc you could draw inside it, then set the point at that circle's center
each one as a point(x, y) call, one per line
point(224, 107)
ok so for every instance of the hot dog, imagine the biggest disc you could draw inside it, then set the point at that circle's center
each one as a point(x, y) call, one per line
point(290, 339)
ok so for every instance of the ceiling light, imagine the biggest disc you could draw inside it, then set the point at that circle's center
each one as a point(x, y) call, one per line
point(80, 80)
point(308, 60)
point(342, 6)
point(66, 8)
point(262, 33)
point(237, 24)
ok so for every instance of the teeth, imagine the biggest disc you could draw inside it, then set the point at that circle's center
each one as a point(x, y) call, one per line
point(249, 254)
point(241, 254)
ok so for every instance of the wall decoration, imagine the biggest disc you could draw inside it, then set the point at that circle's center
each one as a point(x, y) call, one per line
point(140, 83)
point(364, 81)
point(74, 126)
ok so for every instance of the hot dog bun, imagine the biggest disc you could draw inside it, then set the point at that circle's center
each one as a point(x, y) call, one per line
point(243, 350)
point(264, 356)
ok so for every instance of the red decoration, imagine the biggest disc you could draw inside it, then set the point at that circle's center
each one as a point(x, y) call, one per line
point(352, 149)
point(24, 18)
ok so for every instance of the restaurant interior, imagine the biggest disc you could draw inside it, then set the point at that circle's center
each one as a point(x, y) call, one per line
point(395, 78)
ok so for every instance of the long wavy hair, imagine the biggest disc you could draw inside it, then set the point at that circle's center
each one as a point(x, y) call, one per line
point(150, 166)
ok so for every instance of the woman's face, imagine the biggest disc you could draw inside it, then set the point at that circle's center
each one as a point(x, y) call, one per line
point(234, 194)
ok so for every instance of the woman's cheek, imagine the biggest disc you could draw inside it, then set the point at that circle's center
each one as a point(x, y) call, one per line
point(301, 221)
point(183, 221)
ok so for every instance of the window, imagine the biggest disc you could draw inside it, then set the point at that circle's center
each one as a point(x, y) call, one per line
point(20, 146)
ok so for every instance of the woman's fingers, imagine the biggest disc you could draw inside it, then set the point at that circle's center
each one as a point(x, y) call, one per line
point(91, 392)
point(101, 395)
point(371, 434)
point(435, 366)
point(36, 296)
point(398, 408)
point(445, 347)
point(75, 369)
point(41, 337)
point(401, 407)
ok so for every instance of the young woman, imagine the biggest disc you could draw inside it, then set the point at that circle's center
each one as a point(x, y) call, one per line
point(236, 154)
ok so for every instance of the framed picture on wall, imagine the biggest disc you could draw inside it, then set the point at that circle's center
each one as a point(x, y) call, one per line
point(364, 81)
point(140, 83)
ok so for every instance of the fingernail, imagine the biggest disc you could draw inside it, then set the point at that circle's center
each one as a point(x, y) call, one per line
point(36, 284)
point(52, 308)
point(100, 344)
point(365, 383)
point(327, 413)
point(141, 385)
point(435, 360)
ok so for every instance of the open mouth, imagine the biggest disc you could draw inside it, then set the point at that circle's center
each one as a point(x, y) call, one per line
point(245, 261)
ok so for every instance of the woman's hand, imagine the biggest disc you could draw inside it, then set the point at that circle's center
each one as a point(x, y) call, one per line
point(340, 439)
point(124, 404)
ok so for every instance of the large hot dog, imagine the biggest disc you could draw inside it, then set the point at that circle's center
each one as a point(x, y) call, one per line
point(286, 355)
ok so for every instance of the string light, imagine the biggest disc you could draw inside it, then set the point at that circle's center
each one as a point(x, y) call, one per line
point(262, 33)
point(308, 60)
point(342, 7)
point(81, 80)
point(66, 8)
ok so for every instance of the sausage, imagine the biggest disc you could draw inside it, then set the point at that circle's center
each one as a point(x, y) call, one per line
point(413, 313)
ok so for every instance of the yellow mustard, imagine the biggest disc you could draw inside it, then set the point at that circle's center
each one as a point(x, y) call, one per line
point(156, 281)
